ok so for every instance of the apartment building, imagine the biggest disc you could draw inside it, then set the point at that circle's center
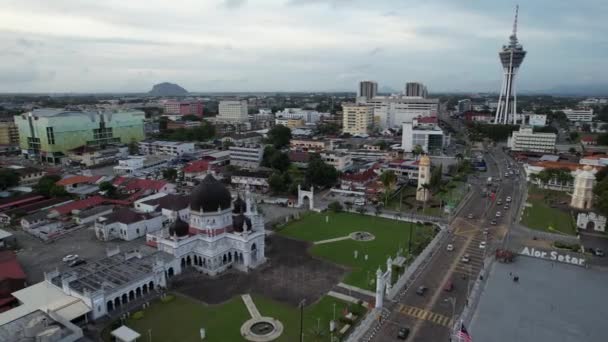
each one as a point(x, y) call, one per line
point(170, 148)
point(246, 156)
point(526, 140)
point(183, 108)
point(9, 133)
point(579, 115)
point(393, 111)
point(341, 161)
point(233, 110)
point(356, 118)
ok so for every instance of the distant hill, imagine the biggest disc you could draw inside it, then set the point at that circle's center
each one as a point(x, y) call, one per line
point(580, 90)
point(167, 89)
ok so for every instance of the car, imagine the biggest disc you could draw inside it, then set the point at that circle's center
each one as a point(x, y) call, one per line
point(499, 202)
point(77, 262)
point(506, 207)
point(598, 252)
point(449, 286)
point(470, 216)
point(493, 222)
point(449, 247)
point(482, 245)
point(403, 333)
point(509, 199)
point(70, 257)
point(421, 290)
point(466, 258)
point(498, 214)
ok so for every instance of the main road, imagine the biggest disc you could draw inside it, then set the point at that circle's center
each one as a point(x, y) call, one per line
point(430, 316)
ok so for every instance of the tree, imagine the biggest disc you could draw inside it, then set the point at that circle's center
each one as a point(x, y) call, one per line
point(279, 136)
point(57, 191)
point(327, 128)
point(170, 174)
point(8, 179)
point(275, 159)
point(46, 184)
point(572, 150)
point(436, 176)
point(388, 179)
point(573, 136)
point(276, 182)
point(602, 139)
point(320, 173)
point(133, 148)
point(335, 206)
point(418, 150)
point(108, 188)
point(191, 117)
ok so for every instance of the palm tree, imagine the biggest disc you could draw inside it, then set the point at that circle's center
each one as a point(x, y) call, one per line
point(417, 151)
point(388, 179)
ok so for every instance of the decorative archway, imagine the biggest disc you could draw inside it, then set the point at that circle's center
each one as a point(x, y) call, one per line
point(131, 295)
point(183, 262)
point(170, 272)
point(116, 302)
point(254, 252)
point(110, 306)
point(306, 195)
point(151, 285)
point(138, 292)
point(144, 289)
point(124, 298)
point(188, 261)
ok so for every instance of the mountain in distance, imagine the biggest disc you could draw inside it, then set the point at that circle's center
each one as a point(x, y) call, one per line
point(167, 89)
point(594, 89)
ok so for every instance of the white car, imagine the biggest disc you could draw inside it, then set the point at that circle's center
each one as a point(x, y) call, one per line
point(470, 216)
point(449, 247)
point(70, 257)
point(498, 214)
point(482, 245)
point(466, 258)
point(509, 199)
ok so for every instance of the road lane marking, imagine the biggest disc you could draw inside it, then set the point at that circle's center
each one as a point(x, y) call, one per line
point(425, 315)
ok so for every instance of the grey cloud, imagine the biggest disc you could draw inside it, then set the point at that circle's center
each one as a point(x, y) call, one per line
point(234, 3)
point(332, 3)
point(375, 51)
point(24, 74)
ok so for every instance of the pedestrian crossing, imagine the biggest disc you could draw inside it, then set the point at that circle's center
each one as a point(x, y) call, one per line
point(425, 315)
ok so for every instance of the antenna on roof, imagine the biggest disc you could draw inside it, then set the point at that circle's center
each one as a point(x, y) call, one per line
point(515, 21)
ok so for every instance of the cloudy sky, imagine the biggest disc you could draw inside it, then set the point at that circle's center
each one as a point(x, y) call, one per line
point(294, 45)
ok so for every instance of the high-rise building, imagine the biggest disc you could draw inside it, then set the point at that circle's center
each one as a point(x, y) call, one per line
point(233, 110)
point(415, 89)
point(184, 108)
point(367, 89)
point(48, 134)
point(356, 118)
point(511, 57)
point(393, 111)
point(464, 105)
point(9, 134)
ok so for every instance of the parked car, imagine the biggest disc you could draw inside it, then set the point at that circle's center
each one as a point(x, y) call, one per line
point(403, 333)
point(466, 258)
point(598, 252)
point(470, 216)
point(70, 257)
point(449, 247)
point(77, 262)
point(493, 222)
point(421, 290)
point(482, 245)
point(498, 214)
point(499, 202)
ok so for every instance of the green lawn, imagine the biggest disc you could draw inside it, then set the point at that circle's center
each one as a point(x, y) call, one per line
point(452, 192)
point(541, 216)
point(390, 236)
point(181, 319)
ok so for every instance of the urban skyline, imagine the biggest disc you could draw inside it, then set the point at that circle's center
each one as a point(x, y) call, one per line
point(291, 45)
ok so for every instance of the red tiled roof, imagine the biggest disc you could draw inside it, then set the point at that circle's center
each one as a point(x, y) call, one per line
point(366, 175)
point(79, 205)
point(426, 119)
point(559, 165)
point(588, 138)
point(10, 267)
point(131, 184)
point(196, 166)
point(77, 180)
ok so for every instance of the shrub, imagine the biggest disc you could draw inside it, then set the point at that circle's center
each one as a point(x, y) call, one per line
point(167, 298)
point(335, 206)
point(138, 315)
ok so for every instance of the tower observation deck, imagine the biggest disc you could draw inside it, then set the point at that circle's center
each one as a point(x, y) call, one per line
point(511, 57)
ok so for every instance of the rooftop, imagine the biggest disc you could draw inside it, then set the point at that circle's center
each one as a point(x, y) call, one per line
point(71, 180)
point(170, 201)
point(125, 215)
point(79, 205)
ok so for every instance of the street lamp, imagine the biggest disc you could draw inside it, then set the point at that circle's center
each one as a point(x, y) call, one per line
point(301, 305)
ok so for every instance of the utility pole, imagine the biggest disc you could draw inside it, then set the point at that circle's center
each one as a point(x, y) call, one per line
point(302, 319)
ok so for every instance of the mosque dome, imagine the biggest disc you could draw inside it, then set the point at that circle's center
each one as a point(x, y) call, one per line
point(179, 228)
point(210, 195)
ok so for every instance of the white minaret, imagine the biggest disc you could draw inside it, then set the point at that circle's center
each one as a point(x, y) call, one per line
point(424, 177)
point(582, 196)
point(379, 288)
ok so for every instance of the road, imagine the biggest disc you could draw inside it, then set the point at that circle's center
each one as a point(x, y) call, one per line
point(430, 317)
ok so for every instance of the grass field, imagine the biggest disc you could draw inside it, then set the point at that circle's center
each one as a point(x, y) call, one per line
point(453, 192)
point(390, 236)
point(541, 216)
point(181, 319)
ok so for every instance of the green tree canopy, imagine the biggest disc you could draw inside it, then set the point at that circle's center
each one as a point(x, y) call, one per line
point(8, 178)
point(275, 159)
point(170, 174)
point(279, 136)
point(320, 173)
point(108, 188)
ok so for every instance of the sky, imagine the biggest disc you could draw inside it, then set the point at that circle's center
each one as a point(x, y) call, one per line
point(295, 45)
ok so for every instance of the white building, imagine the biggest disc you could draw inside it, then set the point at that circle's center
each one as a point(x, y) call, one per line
point(430, 138)
point(341, 161)
point(171, 148)
point(254, 179)
point(137, 165)
point(356, 118)
point(526, 140)
point(246, 156)
point(579, 115)
point(233, 110)
point(308, 116)
point(584, 181)
point(393, 111)
point(537, 120)
point(169, 205)
point(127, 224)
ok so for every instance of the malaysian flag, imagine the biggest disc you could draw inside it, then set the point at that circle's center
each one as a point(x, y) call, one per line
point(463, 335)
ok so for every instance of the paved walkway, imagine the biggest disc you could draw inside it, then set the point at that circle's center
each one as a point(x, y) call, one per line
point(358, 289)
point(253, 310)
point(346, 298)
point(347, 237)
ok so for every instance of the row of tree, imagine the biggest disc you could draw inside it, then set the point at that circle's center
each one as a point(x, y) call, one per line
point(204, 132)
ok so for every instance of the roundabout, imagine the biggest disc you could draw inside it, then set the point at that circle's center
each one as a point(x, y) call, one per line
point(362, 236)
point(261, 329)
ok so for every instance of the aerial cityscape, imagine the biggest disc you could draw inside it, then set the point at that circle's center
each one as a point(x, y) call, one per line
point(290, 170)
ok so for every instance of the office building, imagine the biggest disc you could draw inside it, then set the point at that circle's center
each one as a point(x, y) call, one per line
point(429, 137)
point(511, 57)
point(169, 148)
point(356, 118)
point(246, 156)
point(393, 111)
point(9, 134)
point(141, 165)
point(233, 111)
point(579, 115)
point(183, 108)
point(464, 105)
point(526, 140)
point(415, 89)
point(537, 120)
point(367, 89)
point(289, 122)
point(48, 134)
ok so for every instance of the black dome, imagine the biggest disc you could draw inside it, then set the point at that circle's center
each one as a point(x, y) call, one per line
point(210, 195)
point(179, 228)
point(239, 206)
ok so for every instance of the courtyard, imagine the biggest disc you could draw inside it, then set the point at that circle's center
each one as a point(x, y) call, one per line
point(181, 319)
point(548, 210)
point(389, 236)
